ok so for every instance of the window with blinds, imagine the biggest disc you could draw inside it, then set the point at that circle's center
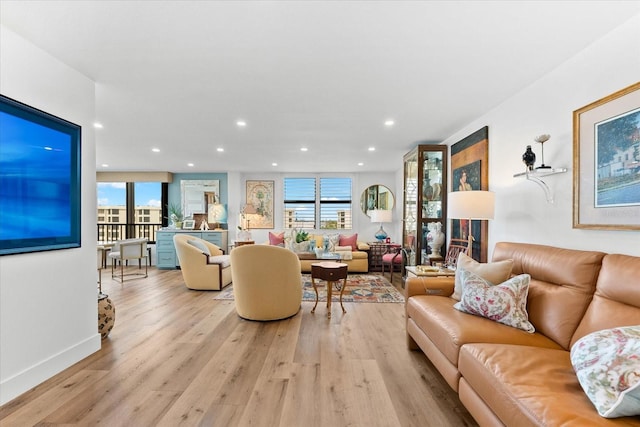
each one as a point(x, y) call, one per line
point(299, 203)
point(307, 199)
point(335, 203)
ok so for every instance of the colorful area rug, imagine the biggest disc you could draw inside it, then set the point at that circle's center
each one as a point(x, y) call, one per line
point(360, 288)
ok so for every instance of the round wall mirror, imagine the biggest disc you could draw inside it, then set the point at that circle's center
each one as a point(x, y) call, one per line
point(376, 197)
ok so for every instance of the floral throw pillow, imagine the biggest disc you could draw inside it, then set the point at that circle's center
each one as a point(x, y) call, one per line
point(504, 303)
point(607, 364)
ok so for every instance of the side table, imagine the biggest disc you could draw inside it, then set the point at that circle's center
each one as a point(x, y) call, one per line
point(331, 272)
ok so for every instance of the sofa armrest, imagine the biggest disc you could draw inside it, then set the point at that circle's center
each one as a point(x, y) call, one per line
point(441, 286)
point(362, 246)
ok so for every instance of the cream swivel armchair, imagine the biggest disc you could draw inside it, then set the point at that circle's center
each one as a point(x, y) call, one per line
point(125, 250)
point(204, 265)
point(267, 283)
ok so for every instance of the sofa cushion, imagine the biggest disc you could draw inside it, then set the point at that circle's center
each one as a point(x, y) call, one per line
point(528, 386)
point(334, 240)
point(276, 239)
point(349, 241)
point(223, 260)
point(494, 272)
point(561, 288)
point(449, 329)
point(607, 364)
point(200, 245)
point(505, 303)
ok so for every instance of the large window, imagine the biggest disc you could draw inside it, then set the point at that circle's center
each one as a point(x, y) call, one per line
point(128, 210)
point(307, 199)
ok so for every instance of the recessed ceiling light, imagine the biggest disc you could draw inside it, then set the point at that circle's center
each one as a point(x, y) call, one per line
point(190, 165)
point(155, 150)
point(360, 164)
point(389, 123)
point(98, 125)
point(104, 165)
point(241, 123)
point(219, 149)
point(372, 148)
point(274, 164)
point(304, 149)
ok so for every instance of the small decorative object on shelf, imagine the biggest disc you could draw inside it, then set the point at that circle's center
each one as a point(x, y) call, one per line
point(542, 139)
point(529, 158)
point(435, 238)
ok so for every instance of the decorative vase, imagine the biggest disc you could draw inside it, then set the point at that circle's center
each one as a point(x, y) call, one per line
point(529, 158)
point(435, 238)
point(106, 315)
point(243, 235)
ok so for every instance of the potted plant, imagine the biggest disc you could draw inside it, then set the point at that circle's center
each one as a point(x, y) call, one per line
point(302, 242)
point(175, 215)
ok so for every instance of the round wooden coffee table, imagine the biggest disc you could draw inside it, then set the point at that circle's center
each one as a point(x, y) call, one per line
point(331, 272)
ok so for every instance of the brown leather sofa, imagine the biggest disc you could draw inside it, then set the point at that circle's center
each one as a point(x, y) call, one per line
point(506, 376)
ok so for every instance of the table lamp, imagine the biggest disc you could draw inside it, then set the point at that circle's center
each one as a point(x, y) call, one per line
point(380, 215)
point(471, 205)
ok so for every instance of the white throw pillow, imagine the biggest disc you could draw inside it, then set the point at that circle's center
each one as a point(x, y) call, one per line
point(494, 272)
point(223, 260)
point(200, 245)
point(607, 364)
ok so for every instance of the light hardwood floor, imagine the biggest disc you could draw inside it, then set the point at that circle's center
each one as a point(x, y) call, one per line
point(179, 357)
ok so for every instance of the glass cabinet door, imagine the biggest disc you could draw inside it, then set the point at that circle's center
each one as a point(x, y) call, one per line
point(425, 200)
point(410, 219)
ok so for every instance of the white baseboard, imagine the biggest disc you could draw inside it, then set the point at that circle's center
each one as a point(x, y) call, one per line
point(14, 386)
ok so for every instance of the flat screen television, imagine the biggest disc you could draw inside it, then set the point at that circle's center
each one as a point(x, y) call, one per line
point(39, 180)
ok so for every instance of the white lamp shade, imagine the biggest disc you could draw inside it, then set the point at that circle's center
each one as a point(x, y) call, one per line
point(471, 204)
point(380, 215)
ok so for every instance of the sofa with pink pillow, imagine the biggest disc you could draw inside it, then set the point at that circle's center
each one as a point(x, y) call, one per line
point(541, 336)
point(351, 251)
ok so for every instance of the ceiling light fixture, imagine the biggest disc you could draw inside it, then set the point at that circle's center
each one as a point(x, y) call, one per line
point(98, 125)
point(304, 149)
point(241, 123)
point(219, 149)
point(372, 148)
point(360, 164)
point(104, 165)
point(155, 150)
point(274, 164)
point(190, 165)
point(389, 123)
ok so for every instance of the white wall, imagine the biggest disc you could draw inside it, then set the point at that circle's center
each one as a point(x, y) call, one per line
point(361, 223)
point(522, 214)
point(48, 305)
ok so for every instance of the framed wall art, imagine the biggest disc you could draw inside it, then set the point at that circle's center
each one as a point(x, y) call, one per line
point(470, 171)
point(260, 195)
point(606, 162)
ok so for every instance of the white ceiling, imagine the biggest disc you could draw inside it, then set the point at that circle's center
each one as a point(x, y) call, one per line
point(177, 75)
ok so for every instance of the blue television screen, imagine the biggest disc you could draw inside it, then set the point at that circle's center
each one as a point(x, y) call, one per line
point(39, 180)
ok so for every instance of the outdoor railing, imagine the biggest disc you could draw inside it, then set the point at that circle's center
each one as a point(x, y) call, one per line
point(115, 232)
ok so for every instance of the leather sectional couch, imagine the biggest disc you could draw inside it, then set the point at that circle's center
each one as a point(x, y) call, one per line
point(507, 376)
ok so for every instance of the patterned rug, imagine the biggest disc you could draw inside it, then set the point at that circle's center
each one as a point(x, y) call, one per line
point(360, 288)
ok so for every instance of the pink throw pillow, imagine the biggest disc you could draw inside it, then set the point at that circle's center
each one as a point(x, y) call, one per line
point(349, 241)
point(276, 239)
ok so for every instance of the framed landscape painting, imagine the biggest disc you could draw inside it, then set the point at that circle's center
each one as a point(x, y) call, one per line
point(606, 162)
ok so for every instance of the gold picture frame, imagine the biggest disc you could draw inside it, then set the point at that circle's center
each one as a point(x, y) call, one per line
point(260, 195)
point(606, 162)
